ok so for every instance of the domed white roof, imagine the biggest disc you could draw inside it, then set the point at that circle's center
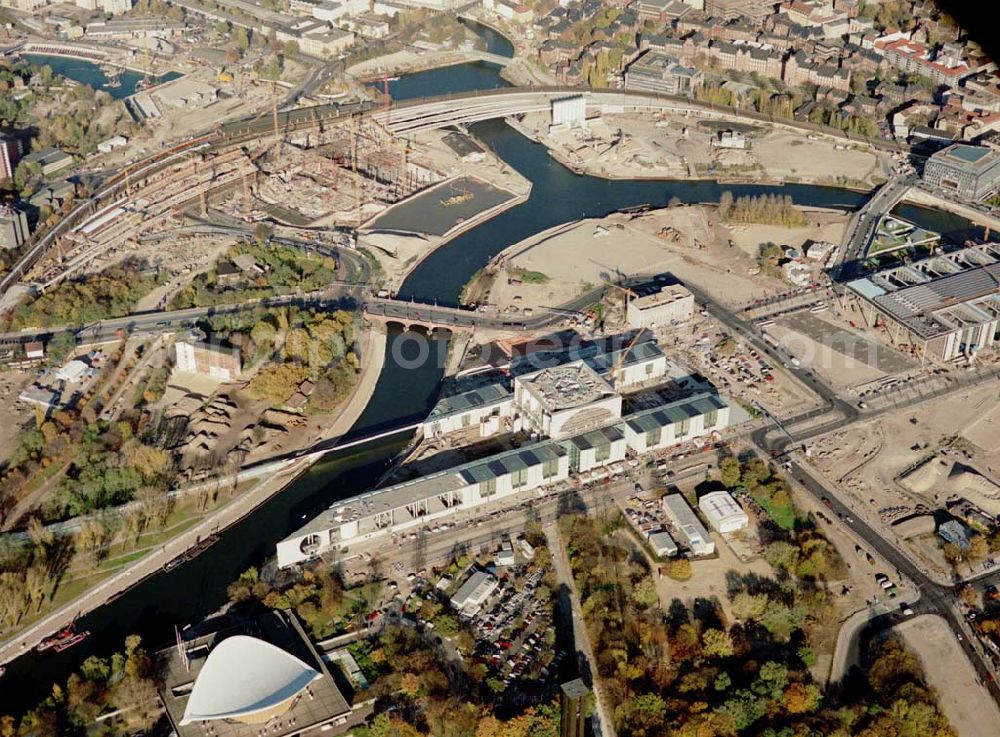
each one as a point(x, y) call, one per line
point(244, 676)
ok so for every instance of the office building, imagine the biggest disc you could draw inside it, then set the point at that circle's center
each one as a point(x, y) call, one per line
point(566, 400)
point(469, 409)
point(13, 227)
point(670, 305)
point(945, 307)
point(10, 154)
point(753, 10)
point(656, 72)
point(680, 421)
point(969, 172)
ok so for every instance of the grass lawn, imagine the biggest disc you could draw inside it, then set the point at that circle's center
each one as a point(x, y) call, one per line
point(782, 514)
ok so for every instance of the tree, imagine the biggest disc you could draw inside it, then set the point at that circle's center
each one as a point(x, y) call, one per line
point(979, 548)
point(801, 698)
point(725, 204)
point(291, 48)
point(749, 606)
point(222, 28)
point(717, 644)
point(261, 232)
point(730, 469)
point(679, 569)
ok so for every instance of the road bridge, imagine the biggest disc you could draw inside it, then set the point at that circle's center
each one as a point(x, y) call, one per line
point(862, 226)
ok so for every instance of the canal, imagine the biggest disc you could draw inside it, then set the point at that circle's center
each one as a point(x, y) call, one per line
point(402, 395)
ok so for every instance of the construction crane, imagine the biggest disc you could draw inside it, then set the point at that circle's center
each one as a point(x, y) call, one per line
point(616, 370)
point(628, 292)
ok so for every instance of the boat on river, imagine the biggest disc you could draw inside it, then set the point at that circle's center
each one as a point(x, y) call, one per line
point(65, 638)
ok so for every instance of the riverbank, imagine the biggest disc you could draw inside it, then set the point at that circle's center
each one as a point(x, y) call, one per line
point(672, 145)
point(477, 189)
point(280, 476)
point(562, 262)
point(923, 198)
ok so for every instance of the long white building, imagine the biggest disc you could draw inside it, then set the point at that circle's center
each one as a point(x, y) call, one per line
point(686, 419)
point(572, 406)
point(692, 532)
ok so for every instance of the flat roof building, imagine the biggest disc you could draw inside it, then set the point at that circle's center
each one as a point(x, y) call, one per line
point(956, 533)
point(971, 172)
point(50, 160)
point(656, 72)
point(947, 304)
point(692, 532)
point(13, 227)
point(672, 304)
point(697, 416)
point(723, 512)
point(196, 357)
point(422, 501)
point(472, 594)
point(566, 400)
point(662, 544)
point(468, 409)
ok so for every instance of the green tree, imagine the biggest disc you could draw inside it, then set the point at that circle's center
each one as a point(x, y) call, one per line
point(730, 469)
point(717, 644)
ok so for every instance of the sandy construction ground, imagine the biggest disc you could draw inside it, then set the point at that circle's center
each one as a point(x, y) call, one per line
point(823, 226)
point(580, 255)
point(785, 154)
point(672, 146)
point(967, 705)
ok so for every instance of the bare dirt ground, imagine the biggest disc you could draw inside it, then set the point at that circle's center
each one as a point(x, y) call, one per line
point(674, 146)
point(786, 154)
point(967, 705)
point(577, 256)
point(867, 462)
point(823, 226)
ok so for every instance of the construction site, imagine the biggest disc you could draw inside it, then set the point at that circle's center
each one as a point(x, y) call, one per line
point(320, 183)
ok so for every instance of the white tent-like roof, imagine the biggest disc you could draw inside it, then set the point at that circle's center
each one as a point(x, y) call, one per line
point(247, 680)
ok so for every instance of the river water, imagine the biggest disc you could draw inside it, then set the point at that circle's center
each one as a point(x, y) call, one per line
point(91, 74)
point(402, 395)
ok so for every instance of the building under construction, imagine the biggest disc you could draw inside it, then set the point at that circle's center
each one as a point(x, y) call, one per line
point(942, 308)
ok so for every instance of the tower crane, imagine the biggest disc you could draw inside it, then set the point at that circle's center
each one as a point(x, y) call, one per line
point(616, 370)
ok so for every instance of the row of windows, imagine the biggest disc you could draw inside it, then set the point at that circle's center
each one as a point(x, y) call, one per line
point(681, 429)
point(519, 478)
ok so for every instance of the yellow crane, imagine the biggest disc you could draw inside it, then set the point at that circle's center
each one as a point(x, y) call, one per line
point(616, 370)
point(628, 292)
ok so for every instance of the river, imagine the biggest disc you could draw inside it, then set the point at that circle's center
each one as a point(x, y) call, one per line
point(402, 395)
point(88, 73)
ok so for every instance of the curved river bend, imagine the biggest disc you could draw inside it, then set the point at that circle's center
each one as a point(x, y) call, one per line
point(402, 396)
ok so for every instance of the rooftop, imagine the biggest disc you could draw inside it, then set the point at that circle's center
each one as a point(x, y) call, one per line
point(237, 677)
point(563, 387)
point(399, 495)
point(939, 294)
point(481, 397)
point(973, 158)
